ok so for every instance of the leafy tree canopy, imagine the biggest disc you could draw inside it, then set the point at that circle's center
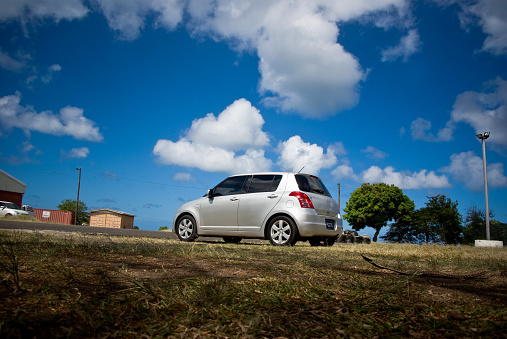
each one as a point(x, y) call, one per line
point(439, 221)
point(374, 205)
point(475, 227)
point(70, 205)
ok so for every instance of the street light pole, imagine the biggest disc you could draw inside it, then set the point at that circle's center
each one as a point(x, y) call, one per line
point(483, 138)
point(78, 187)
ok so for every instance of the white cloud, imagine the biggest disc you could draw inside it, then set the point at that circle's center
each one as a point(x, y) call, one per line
point(402, 132)
point(183, 177)
point(70, 121)
point(296, 154)
point(409, 45)
point(374, 153)
point(40, 9)
point(344, 172)
point(404, 180)
point(81, 152)
point(238, 127)
point(52, 70)
point(303, 68)
point(420, 129)
point(47, 77)
point(210, 147)
point(11, 64)
point(492, 16)
point(486, 111)
point(127, 17)
point(467, 167)
point(209, 158)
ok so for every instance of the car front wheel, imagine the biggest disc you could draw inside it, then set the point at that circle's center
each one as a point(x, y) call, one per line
point(186, 228)
point(282, 231)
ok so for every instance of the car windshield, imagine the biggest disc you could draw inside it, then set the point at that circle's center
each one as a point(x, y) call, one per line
point(312, 184)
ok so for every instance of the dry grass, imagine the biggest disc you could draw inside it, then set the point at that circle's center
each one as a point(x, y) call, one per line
point(100, 287)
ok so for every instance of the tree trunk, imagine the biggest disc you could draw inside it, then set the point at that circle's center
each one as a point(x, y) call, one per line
point(377, 231)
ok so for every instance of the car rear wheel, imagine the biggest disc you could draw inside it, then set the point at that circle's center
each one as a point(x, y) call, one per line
point(232, 240)
point(186, 228)
point(282, 231)
point(322, 241)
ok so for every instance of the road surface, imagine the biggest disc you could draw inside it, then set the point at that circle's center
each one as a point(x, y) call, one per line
point(35, 226)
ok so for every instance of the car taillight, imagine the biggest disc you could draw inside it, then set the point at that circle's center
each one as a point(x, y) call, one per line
point(304, 200)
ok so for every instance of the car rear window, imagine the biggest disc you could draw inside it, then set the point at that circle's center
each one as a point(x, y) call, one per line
point(264, 183)
point(312, 184)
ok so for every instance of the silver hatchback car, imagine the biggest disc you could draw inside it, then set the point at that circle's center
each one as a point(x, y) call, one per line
point(280, 207)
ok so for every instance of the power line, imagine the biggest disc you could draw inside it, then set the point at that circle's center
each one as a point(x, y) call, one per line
point(114, 176)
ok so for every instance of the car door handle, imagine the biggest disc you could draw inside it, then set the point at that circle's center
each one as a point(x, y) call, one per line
point(234, 199)
point(272, 196)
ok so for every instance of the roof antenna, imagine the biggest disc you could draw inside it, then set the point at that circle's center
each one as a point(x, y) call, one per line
point(301, 169)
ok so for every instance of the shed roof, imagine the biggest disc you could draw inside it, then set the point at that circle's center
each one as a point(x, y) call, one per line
point(10, 184)
point(108, 210)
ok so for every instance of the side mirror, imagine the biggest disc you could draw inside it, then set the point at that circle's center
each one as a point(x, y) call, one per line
point(210, 194)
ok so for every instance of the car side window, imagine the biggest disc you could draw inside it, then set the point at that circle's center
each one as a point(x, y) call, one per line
point(264, 183)
point(229, 186)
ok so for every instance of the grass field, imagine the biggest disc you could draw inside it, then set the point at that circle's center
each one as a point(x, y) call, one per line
point(81, 286)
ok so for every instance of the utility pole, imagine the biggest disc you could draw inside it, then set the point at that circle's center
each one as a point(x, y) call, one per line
point(339, 206)
point(483, 138)
point(78, 187)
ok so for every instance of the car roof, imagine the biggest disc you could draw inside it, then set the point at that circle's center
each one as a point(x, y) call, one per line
point(274, 173)
point(263, 173)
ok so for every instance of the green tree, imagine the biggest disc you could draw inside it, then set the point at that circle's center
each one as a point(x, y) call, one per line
point(498, 231)
point(475, 227)
point(439, 221)
point(402, 231)
point(374, 205)
point(70, 205)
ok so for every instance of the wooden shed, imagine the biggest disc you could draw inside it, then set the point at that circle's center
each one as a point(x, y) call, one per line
point(105, 217)
point(11, 189)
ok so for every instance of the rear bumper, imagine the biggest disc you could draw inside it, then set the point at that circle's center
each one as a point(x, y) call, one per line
point(311, 225)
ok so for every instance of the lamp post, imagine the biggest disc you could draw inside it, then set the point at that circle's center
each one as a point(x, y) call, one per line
point(483, 138)
point(78, 187)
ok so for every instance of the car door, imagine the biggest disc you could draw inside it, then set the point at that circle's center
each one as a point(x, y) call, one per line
point(263, 192)
point(219, 212)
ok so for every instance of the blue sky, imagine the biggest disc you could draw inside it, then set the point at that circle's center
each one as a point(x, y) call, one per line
point(159, 100)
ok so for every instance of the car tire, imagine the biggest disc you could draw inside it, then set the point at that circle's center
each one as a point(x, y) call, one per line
point(282, 231)
point(322, 241)
point(186, 228)
point(232, 240)
point(315, 241)
point(329, 241)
